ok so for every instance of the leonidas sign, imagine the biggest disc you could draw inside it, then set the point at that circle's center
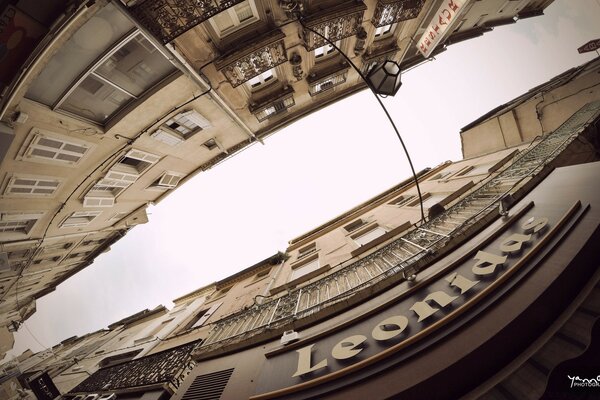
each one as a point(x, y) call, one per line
point(459, 288)
point(442, 20)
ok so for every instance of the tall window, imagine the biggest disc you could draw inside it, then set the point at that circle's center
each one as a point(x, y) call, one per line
point(181, 127)
point(19, 222)
point(324, 51)
point(369, 236)
point(234, 18)
point(262, 79)
point(384, 31)
point(27, 186)
point(74, 81)
point(305, 269)
point(57, 149)
point(80, 218)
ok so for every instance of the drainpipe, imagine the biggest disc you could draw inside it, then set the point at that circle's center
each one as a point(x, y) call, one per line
point(216, 98)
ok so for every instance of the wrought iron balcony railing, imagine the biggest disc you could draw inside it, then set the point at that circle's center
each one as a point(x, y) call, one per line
point(401, 255)
point(167, 19)
point(273, 106)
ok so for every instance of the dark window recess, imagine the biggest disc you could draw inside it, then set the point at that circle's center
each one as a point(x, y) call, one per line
point(208, 386)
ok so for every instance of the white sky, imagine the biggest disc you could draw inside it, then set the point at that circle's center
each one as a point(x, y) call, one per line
point(247, 208)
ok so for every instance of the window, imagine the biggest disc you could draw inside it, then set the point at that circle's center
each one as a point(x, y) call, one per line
point(20, 222)
point(80, 218)
point(234, 18)
point(402, 200)
point(384, 31)
point(326, 50)
point(128, 169)
point(440, 175)
point(54, 148)
point(129, 65)
point(168, 180)
point(210, 144)
point(27, 186)
point(98, 198)
point(354, 225)
point(202, 316)
point(118, 359)
point(181, 127)
point(431, 199)
point(305, 269)
point(262, 79)
point(369, 236)
point(310, 249)
point(118, 216)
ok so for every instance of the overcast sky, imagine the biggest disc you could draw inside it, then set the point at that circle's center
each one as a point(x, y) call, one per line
point(250, 206)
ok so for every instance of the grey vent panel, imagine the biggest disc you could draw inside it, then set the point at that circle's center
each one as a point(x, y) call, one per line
point(208, 386)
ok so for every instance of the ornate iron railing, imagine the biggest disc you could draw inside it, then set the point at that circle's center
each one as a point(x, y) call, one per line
point(168, 367)
point(167, 19)
point(402, 254)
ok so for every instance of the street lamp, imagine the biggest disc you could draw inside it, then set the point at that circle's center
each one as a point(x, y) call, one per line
point(383, 80)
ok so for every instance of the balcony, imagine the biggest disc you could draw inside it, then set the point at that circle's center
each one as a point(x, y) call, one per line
point(261, 55)
point(273, 105)
point(168, 19)
point(335, 24)
point(326, 81)
point(389, 12)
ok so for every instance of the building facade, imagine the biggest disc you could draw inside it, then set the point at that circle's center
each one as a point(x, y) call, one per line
point(489, 297)
point(107, 106)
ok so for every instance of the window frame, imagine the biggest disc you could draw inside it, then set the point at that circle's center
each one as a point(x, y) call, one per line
point(37, 178)
point(237, 24)
point(90, 71)
point(328, 50)
point(38, 134)
point(91, 215)
point(385, 32)
point(356, 237)
point(261, 81)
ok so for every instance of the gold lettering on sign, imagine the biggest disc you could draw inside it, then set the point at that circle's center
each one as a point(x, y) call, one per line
point(491, 261)
point(304, 361)
point(460, 282)
point(424, 310)
point(534, 224)
point(348, 348)
point(485, 264)
point(514, 243)
point(382, 331)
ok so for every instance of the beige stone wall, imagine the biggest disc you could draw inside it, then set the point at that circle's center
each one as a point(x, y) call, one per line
point(542, 112)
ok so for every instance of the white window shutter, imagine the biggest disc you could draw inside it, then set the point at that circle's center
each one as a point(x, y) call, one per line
point(167, 137)
point(197, 119)
point(169, 180)
point(206, 315)
point(120, 179)
point(143, 156)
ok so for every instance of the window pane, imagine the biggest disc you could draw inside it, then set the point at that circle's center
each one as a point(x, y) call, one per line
point(95, 100)
point(95, 37)
point(223, 21)
point(136, 66)
point(243, 11)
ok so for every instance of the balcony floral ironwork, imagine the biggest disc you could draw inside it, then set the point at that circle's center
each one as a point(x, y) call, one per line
point(168, 19)
point(335, 24)
point(169, 367)
point(265, 53)
point(389, 12)
point(400, 258)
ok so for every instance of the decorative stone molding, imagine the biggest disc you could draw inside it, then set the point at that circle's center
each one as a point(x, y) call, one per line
point(388, 12)
point(296, 61)
point(361, 37)
point(168, 19)
point(335, 24)
point(259, 56)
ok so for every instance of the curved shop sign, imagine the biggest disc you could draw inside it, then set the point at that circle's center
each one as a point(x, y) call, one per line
point(430, 305)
